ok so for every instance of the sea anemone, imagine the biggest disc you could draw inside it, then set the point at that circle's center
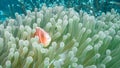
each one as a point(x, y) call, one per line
point(78, 40)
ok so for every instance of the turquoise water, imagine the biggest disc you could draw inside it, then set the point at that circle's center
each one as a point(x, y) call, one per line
point(8, 8)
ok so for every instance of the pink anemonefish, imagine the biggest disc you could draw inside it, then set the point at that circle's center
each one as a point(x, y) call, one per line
point(44, 37)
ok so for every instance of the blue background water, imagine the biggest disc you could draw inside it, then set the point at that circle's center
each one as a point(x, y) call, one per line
point(9, 7)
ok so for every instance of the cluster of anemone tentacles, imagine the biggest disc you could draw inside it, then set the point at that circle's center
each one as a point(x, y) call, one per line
point(79, 40)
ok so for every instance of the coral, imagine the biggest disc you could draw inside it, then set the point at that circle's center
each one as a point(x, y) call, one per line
point(78, 40)
point(94, 7)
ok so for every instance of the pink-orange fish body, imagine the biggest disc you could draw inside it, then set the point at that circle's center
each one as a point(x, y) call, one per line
point(44, 37)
